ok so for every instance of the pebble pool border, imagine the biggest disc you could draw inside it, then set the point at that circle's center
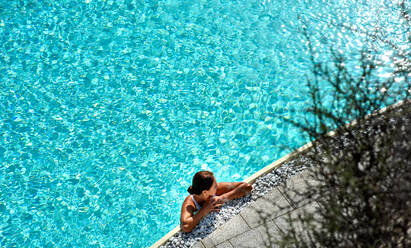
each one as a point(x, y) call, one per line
point(263, 180)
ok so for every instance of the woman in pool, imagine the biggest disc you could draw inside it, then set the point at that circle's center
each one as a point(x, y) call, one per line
point(207, 195)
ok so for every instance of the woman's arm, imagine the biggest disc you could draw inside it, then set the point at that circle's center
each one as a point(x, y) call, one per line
point(189, 220)
point(230, 191)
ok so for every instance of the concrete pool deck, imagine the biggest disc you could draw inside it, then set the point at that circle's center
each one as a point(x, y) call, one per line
point(260, 223)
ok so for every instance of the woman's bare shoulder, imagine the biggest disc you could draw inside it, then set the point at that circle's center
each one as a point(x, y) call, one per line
point(188, 206)
point(188, 202)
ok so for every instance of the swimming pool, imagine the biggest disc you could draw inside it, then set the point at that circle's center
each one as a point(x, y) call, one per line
point(108, 107)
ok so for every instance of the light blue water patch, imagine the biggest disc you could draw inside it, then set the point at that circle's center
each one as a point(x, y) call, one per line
point(108, 108)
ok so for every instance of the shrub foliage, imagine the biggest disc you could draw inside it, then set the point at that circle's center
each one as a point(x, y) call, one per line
point(362, 172)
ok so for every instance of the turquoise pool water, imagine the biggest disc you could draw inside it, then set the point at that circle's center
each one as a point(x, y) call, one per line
point(108, 108)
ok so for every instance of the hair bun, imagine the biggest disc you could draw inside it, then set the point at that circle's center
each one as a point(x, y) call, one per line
point(190, 189)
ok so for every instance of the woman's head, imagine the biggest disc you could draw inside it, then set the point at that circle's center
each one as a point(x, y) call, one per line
point(203, 181)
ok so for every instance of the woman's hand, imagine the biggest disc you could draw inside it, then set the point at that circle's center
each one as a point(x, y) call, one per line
point(212, 204)
point(220, 199)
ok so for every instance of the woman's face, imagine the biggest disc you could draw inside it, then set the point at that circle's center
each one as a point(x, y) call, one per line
point(212, 190)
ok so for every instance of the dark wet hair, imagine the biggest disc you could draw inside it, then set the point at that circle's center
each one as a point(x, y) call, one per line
point(202, 180)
